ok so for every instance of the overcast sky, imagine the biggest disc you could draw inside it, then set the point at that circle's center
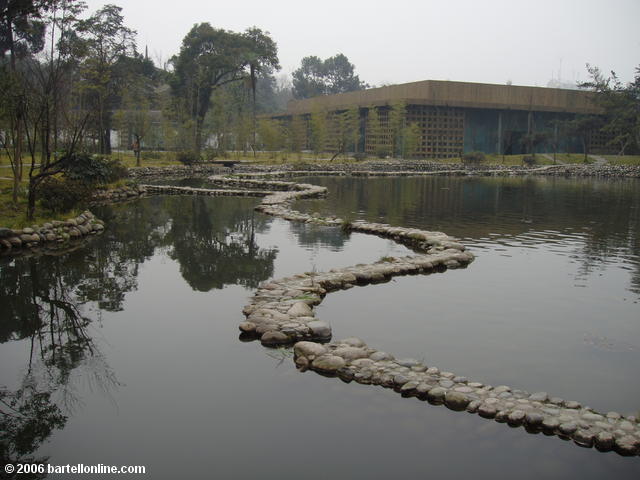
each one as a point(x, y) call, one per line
point(396, 41)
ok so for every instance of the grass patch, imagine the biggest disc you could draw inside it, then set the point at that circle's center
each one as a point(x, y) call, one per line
point(386, 260)
point(15, 215)
point(306, 297)
point(623, 159)
point(148, 159)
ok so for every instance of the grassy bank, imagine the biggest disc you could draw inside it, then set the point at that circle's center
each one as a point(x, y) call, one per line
point(15, 216)
point(623, 159)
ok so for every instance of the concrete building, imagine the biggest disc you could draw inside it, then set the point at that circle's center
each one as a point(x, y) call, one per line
point(451, 118)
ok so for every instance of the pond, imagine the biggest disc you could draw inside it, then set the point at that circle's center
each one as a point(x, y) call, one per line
point(126, 351)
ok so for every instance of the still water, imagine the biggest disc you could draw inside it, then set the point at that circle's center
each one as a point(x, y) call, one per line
point(126, 351)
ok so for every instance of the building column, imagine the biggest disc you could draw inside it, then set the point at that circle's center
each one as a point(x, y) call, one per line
point(499, 146)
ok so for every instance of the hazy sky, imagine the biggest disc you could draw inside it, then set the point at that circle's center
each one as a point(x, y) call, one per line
point(396, 41)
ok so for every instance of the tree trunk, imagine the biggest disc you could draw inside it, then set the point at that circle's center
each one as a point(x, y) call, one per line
point(253, 93)
point(137, 150)
point(31, 199)
point(17, 146)
point(107, 133)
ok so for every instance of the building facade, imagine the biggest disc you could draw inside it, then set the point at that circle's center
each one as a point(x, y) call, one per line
point(443, 119)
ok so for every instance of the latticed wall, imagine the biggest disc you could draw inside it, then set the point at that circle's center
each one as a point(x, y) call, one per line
point(441, 130)
point(378, 136)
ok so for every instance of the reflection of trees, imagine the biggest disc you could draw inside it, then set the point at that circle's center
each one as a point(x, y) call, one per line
point(44, 301)
point(111, 270)
point(313, 235)
point(604, 213)
point(38, 305)
point(217, 246)
point(27, 418)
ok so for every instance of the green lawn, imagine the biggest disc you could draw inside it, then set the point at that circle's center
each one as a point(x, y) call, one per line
point(494, 159)
point(623, 159)
point(14, 215)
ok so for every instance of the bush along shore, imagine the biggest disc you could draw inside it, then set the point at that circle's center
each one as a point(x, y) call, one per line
point(282, 313)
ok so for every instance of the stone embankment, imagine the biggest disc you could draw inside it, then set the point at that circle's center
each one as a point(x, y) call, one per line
point(177, 170)
point(118, 194)
point(421, 167)
point(391, 168)
point(50, 236)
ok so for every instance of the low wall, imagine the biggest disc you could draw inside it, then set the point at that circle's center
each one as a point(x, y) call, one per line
point(52, 235)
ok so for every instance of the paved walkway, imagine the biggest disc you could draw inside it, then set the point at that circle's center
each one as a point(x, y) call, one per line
point(598, 161)
point(550, 158)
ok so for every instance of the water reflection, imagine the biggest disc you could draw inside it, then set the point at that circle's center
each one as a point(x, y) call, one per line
point(595, 221)
point(218, 248)
point(50, 303)
point(39, 307)
point(313, 236)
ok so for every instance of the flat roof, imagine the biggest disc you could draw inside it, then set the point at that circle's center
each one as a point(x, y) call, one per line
point(455, 94)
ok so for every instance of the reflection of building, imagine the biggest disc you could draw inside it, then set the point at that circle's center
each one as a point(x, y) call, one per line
point(455, 117)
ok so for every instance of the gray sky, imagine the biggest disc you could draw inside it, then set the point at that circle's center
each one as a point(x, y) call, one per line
point(396, 41)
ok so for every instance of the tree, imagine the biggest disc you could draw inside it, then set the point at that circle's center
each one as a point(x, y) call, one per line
point(262, 57)
point(410, 140)
point(21, 35)
point(325, 77)
point(532, 140)
point(319, 131)
point(347, 130)
point(583, 127)
point(397, 125)
point(270, 135)
point(296, 134)
point(210, 58)
point(136, 99)
point(621, 106)
point(374, 133)
point(105, 42)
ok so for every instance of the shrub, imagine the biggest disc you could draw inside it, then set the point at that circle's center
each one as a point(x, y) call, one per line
point(93, 169)
point(61, 195)
point(529, 160)
point(116, 171)
point(188, 157)
point(86, 168)
point(359, 156)
point(473, 158)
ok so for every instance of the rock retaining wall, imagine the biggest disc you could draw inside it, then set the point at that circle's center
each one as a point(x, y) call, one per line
point(53, 235)
point(119, 194)
point(392, 168)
